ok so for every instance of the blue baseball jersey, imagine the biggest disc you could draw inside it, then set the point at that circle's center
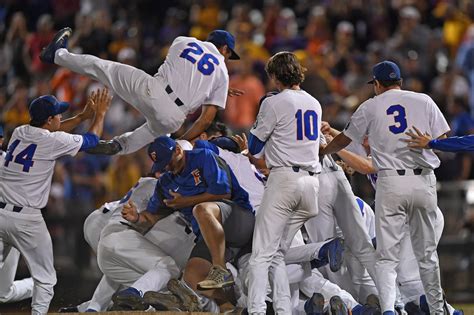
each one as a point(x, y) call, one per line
point(204, 172)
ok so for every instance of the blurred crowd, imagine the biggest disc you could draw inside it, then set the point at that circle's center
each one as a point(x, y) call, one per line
point(338, 41)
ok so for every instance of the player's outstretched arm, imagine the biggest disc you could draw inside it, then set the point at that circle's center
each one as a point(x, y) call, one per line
point(69, 124)
point(359, 163)
point(338, 143)
point(207, 116)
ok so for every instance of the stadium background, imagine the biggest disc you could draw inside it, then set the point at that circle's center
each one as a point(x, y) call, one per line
point(337, 41)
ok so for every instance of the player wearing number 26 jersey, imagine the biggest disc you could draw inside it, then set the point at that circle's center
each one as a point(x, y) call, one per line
point(406, 184)
point(194, 74)
point(287, 127)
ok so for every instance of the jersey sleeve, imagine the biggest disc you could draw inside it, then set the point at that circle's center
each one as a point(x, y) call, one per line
point(357, 127)
point(454, 144)
point(215, 173)
point(65, 144)
point(266, 121)
point(438, 124)
point(218, 96)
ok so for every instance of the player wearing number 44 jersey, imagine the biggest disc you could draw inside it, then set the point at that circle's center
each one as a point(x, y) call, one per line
point(25, 182)
point(287, 126)
point(406, 184)
point(194, 73)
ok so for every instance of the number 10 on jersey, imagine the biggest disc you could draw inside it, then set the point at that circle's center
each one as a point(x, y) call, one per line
point(306, 124)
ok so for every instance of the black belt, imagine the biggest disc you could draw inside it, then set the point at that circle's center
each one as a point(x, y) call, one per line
point(416, 171)
point(177, 101)
point(15, 208)
point(297, 169)
point(105, 210)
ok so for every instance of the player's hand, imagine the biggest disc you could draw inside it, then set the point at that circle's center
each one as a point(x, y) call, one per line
point(130, 212)
point(89, 110)
point(103, 100)
point(177, 201)
point(328, 137)
point(235, 92)
point(325, 127)
point(417, 139)
point(241, 141)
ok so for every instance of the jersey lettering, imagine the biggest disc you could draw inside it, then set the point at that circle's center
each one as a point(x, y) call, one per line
point(205, 64)
point(24, 158)
point(400, 118)
point(197, 177)
point(306, 124)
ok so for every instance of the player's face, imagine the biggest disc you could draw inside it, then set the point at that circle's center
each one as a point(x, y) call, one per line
point(177, 161)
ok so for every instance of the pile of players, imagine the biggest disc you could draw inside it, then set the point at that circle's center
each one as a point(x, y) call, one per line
point(222, 224)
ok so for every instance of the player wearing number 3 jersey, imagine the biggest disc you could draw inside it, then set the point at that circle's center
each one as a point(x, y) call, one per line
point(193, 74)
point(406, 184)
point(288, 127)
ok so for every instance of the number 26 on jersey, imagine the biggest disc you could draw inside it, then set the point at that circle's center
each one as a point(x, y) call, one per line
point(206, 62)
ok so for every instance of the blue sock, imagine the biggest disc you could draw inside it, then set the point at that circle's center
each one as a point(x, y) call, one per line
point(389, 313)
point(131, 291)
point(357, 310)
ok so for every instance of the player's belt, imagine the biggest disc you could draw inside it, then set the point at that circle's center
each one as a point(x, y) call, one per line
point(296, 169)
point(4, 205)
point(407, 172)
point(171, 93)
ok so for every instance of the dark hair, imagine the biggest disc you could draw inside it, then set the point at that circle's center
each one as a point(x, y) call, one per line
point(37, 123)
point(286, 68)
point(217, 127)
point(218, 45)
point(390, 83)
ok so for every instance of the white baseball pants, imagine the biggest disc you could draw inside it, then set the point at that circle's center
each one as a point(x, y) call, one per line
point(27, 232)
point(289, 200)
point(10, 290)
point(412, 199)
point(336, 200)
point(139, 89)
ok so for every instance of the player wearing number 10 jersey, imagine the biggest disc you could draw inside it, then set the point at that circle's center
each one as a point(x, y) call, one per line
point(287, 126)
point(406, 184)
point(194, 74)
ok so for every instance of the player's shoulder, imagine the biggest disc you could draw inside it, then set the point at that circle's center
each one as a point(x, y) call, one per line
point(269, 97)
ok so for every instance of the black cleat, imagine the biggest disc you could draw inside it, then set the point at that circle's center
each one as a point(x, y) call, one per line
point(59, 41)
point(315, 305)
point(337, 306)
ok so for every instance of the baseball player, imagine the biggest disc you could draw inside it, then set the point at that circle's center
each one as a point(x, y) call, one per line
point(288, 126)
point(10, 290)
point(409, 173)
point(25, 182)
point(451, 144)
point(194, 74)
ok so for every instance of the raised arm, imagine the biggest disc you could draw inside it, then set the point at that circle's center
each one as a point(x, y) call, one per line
point(69, 124)
point(208, 113)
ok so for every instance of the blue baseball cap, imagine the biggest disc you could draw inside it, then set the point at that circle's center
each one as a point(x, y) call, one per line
point(221, 37)
point(385, 71)
point(161, 151)
point(226, 143)
point(45, 106)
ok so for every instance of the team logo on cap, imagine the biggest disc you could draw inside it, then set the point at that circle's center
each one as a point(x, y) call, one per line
point(392, 75)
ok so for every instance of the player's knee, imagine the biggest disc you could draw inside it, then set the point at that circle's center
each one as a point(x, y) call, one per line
point(201, 212)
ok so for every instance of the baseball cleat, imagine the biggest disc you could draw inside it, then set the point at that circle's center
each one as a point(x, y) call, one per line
point(413, 309)
point(188, 297)
point(68, 309)
point(164, 301)
point(315, 305)
point(337, 306)
point(217, 278)
point(129, 299)
point(59, 41)
point(336, 254)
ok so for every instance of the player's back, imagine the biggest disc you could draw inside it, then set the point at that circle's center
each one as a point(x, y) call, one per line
point(25, 178)
point(196, 72)
point(389, 115)
point(295, 138)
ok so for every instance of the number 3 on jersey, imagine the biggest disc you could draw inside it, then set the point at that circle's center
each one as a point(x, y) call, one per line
point(306, 124)
point(207, 61)
point(399, 117)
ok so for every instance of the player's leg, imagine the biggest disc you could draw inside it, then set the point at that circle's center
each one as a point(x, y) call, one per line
point(351, 222)
point(389, 224)
point(306, 208)
point(318, 254)
point(102, 295)
point(33, 241)
point(271, 220)
point(361, 280)
point(10, 290)
point(93, 226)
point(422, 218)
